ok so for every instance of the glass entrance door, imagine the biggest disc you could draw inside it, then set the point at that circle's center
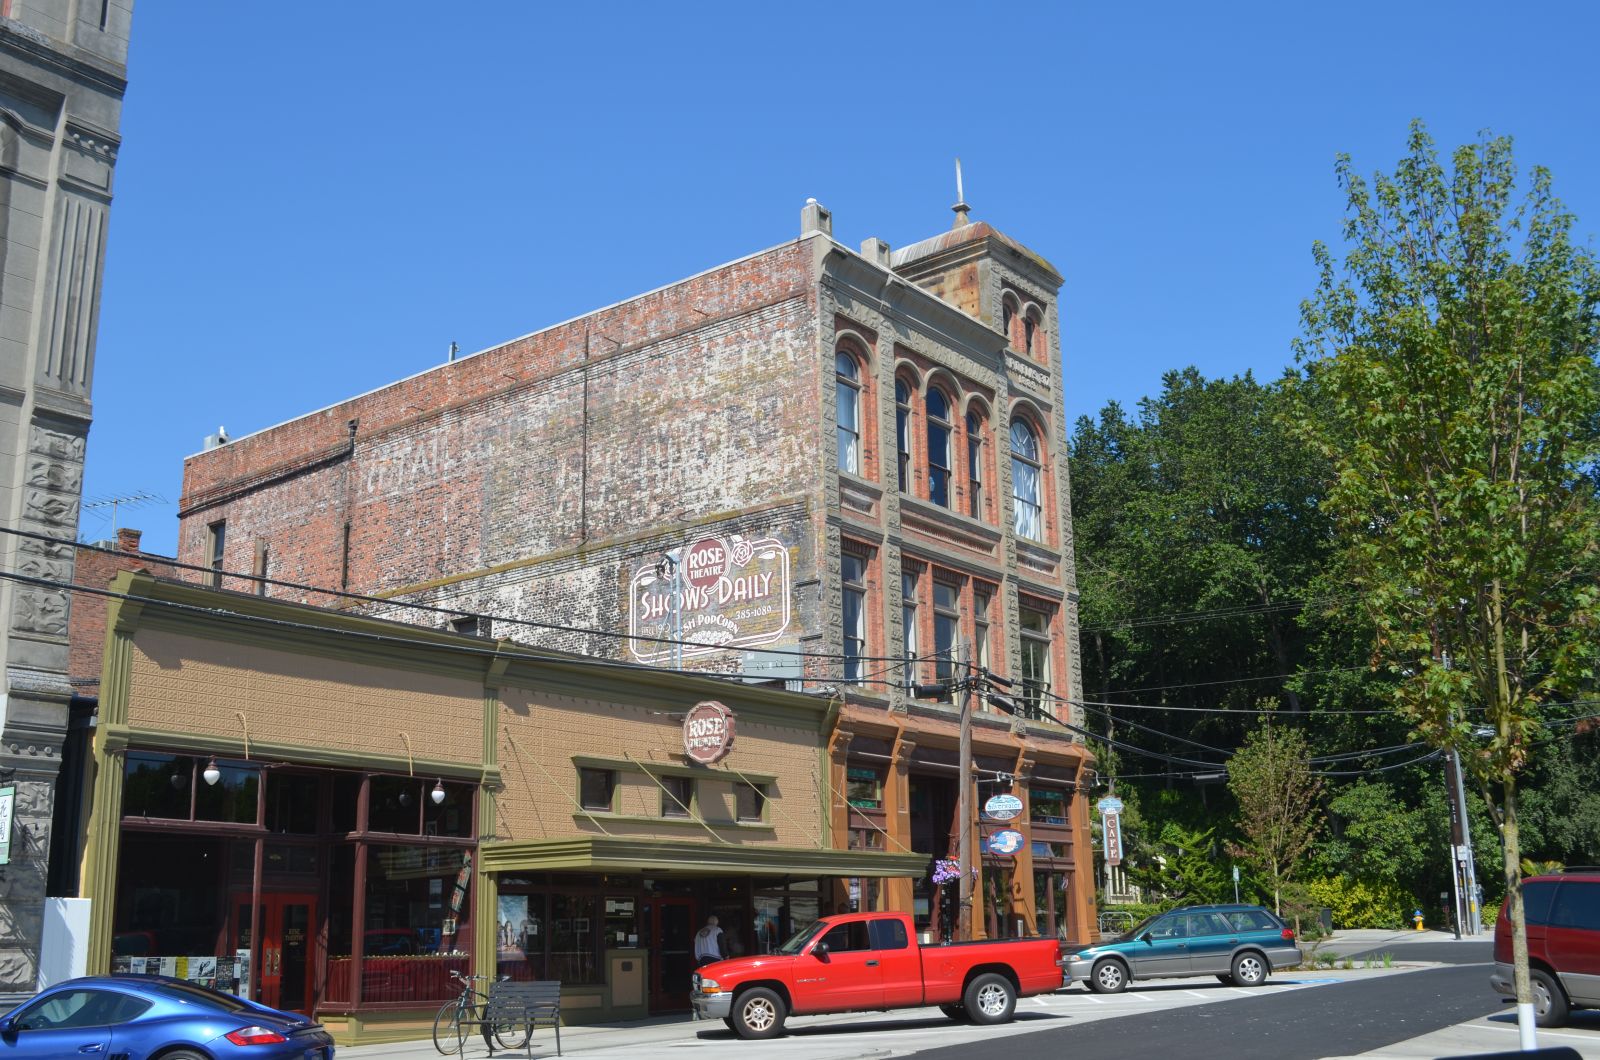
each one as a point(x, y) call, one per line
point(667, 927)
point(287, 924)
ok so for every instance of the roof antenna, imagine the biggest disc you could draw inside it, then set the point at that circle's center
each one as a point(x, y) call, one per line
point(961, 208)
point(453, 349)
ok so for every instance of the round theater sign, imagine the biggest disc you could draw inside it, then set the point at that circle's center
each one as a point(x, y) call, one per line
point(708, 732)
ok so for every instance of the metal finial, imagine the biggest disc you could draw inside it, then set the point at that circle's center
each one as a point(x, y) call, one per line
point(961, 208)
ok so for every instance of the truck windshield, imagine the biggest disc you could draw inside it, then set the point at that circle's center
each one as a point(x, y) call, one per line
point(798, 941)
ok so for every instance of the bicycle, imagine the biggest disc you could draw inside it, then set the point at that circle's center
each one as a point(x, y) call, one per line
point(458, 1015)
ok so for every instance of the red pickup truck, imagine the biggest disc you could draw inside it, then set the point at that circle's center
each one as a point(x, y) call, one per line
point(869, 961)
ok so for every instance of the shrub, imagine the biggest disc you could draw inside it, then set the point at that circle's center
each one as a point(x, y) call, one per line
point(1357, 904)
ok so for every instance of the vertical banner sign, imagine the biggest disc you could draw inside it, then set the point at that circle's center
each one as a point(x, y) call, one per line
point(1110, 809)
point(8, 799)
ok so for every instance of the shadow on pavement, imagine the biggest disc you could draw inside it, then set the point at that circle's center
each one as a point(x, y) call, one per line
point(868, 1026)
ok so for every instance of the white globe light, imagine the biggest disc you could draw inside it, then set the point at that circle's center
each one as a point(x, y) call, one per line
point(437, 795)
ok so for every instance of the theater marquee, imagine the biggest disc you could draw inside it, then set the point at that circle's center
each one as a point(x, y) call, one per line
point(728, 592)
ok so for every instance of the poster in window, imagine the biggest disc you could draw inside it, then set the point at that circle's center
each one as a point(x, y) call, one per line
point(514, 927)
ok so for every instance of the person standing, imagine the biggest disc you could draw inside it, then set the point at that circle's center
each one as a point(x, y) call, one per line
point(708, 943)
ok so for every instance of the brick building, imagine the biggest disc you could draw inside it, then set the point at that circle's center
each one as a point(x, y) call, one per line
point(811, 464)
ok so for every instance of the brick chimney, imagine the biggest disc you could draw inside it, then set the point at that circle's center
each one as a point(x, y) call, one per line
point(128, 540)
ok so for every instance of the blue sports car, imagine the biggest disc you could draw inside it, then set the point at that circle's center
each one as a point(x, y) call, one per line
point(136, 1017)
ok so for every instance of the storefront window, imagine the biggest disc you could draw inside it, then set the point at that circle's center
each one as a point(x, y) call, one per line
point(395, 805)
point(416, 930)
point(171, 910)
point(157, 786)
point(573, 925)
point(232, 798)
point(346, 799)
point(450, 816)
point(292, 801)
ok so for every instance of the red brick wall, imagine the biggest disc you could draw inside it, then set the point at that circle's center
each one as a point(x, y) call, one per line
point(86, 625)
point(486, 461)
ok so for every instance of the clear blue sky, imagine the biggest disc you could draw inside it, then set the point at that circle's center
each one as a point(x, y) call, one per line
point(313, 200)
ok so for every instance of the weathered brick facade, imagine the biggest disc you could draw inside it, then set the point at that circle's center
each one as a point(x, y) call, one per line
point(540, 482)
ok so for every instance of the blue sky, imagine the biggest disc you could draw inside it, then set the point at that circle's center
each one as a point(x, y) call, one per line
point(315, 200)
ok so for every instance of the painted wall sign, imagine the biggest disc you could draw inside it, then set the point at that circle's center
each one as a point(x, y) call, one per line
point(8, 801)
point(1005, 841)
point(708, 732)
point(1003, 808)
point(730, 592)
point(1110, 809)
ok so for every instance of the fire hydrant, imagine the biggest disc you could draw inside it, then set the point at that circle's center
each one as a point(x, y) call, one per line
point(1416, 915)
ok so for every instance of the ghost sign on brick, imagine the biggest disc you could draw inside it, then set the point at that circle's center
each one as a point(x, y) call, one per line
point(727, 592)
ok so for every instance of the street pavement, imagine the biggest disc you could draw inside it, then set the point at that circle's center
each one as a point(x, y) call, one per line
point(1434, 1006)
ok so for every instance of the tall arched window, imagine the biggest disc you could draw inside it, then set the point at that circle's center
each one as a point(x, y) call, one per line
point(974, 465)
point(1025, 482)
point(847, 401)
point(938, 409)
point(902, 430)
point(1008, 313)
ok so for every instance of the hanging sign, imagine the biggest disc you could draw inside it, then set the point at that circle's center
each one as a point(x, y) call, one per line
point(708, 732)
point(1006, 841)
point(1110, 809)
point(1003, 808)
point(8, 800)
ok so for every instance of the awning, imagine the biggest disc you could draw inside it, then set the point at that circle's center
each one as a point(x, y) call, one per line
point(678, 857)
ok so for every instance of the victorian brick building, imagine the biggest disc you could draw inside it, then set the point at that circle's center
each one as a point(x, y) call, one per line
point(842, 470)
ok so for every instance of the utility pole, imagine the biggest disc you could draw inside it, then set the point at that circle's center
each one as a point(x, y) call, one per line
point(1463, 875)
point(964, 916)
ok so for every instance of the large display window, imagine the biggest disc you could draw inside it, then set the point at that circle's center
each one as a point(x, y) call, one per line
point(298, 887)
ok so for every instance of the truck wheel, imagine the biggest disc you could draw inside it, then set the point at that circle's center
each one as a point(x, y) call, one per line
point(1249, 969)
point(759, 1013)
point(1549, 1002)
point(955, 1012)
point(1108, 977)
point(990, 998)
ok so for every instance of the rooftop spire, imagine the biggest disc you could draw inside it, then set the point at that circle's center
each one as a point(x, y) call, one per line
point(961, 208)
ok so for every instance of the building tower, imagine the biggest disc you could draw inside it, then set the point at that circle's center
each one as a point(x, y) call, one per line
point(62, 78)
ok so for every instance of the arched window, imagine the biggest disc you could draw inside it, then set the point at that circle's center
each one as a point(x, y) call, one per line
point(902, 430)
point(974, 465)
point(1008, 311)
point(1029, 327)
point(1025, 481)
point(847, 401)
point(938, 409)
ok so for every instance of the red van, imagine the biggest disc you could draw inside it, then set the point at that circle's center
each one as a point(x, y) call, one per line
point(1563, 916)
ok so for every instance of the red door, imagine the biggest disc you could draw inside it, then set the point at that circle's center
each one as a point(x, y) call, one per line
point(288, 923)
point(667, 930)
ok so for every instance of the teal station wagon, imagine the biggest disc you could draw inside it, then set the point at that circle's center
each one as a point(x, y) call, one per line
point(1239, 944)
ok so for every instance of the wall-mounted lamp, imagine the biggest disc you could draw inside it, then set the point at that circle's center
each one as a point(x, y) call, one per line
point(437, 795)
point(211, 774)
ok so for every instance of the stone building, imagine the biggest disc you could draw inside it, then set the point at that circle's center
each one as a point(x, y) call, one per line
point(62, 79)
point(813, 465)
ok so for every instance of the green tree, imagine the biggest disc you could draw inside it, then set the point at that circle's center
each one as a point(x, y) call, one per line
point(1450, 381)
point(1181, 866)
point(1279, 816)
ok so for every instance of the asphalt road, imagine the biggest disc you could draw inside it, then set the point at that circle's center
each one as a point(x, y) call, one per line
point(1339, 1019)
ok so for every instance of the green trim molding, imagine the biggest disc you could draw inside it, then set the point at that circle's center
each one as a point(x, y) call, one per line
point(678, 857)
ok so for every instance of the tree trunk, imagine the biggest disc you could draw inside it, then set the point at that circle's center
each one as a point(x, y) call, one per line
point(1514, 912)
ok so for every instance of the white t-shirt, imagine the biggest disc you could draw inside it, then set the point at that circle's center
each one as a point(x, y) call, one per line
point(708, 942)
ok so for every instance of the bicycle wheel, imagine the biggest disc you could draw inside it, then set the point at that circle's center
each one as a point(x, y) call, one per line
point(508, 1035)
point(446, 1027)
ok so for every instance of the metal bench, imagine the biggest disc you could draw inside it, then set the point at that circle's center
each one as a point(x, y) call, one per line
point(524, 1005)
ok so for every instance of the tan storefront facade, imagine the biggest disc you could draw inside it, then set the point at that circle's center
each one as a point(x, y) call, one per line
point(332, 813)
